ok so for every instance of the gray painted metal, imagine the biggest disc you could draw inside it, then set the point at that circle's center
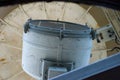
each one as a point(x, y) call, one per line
point(90, 70)
point(39, 44)
point(51, 27)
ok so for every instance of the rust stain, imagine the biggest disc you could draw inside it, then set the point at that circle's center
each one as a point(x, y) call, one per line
point(2, 59)
point(4, 62)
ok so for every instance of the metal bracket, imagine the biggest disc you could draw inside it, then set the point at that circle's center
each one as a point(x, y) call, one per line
point(61, 34)
point(105, 34)
point(26, 26)
point(93, 33)
point(47, 63)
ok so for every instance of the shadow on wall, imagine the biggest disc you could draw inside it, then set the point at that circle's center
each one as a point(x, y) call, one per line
point(114, 4)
